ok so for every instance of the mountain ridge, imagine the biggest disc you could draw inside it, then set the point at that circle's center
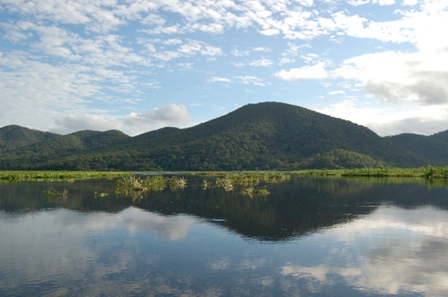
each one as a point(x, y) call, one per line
point(268, 135)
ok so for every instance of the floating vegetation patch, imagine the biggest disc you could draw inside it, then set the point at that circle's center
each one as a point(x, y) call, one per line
point(251, 192)
point(137, 187)
point(176, 183)
point(100, 194)
point(248, 181)
point(53, 194)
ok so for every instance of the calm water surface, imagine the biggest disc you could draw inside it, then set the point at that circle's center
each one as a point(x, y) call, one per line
point(309, 237)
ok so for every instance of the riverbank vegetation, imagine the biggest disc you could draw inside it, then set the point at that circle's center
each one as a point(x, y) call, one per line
point(246, 178)
point(14, 176)
point(428, 172)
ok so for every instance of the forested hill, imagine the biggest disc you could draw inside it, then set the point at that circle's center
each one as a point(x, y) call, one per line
point(433, 147)
point(14, 137)
point(256, 136)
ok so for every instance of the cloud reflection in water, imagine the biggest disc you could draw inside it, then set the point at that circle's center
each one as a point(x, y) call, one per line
point(403, 251)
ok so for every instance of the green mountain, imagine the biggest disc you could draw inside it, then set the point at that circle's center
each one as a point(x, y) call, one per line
point(13, 137)
point(434, 147)
point(340, 159)
point(256, 136)
point(72, 143)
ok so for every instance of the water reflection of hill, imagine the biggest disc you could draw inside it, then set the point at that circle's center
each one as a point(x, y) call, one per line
point(293, 208)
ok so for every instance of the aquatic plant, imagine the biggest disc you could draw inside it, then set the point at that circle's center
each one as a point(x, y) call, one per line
point(176, 183)
point(224, 183)
point(136, 187)
point(251, 192)
point(101, 194)
point(247, 180)
point(156, 183)
point(53, 193)
point(206, 184)
point(130, 183)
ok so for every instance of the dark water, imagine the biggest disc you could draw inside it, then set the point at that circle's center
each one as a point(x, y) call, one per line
point(309, 237)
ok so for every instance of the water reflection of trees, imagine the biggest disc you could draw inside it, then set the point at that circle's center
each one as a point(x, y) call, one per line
point(293, 208)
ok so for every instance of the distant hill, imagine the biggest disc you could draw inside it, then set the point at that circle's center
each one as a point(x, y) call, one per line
point(55, 144)
point(266, 135)
point(13, 137)
point(434, 147)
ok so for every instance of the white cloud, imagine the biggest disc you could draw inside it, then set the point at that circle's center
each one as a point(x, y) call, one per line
point(384, 2)
point(72, 123)
point(103, 50)
point(35, 93)
point(185, 49)
point(270, 32)
point(262, 49)
point(219, 79)
point(168, 115)
point(172, 41)
point(251, 80)
point(306, 2)
point(261, 63)
point(400, 77)
point(357, 2)
point(425, 125)
point(167, 55)
point(316, 71)
point(239, 53)
point(390, 119)
point(290, 54)
point(96, 16)
point(339, 92)
point(410, 2)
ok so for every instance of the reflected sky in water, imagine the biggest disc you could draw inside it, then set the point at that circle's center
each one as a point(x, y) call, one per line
point(368, 245)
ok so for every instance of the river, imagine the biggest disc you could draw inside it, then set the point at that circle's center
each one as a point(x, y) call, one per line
point(307, 237)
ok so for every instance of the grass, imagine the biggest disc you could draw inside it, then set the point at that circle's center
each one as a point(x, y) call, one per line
point(428, 172)
point(245, 177)
point(13, 176)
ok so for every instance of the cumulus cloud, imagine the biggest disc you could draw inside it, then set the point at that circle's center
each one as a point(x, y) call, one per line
point(239, 53)
point(101, 50)
point(219, 79)
point(251, 80)
point(69, 124)
point(168, 115)
point(175, 48)
point(261, 63)
point(316, 71)
point(390, 119)
point(425, 91)
point(96, 16)
point(400, 77)
point(34, 92)
point(424, 125)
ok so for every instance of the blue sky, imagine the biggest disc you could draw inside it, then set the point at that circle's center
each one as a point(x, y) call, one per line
point(139, 65)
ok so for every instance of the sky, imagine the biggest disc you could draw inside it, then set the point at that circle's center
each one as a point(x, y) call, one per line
point(140, 65)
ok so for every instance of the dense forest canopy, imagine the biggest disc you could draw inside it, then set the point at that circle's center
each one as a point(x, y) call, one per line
point(261, 136)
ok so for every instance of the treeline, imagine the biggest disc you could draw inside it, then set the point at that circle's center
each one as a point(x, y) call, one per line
point(262, 136)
